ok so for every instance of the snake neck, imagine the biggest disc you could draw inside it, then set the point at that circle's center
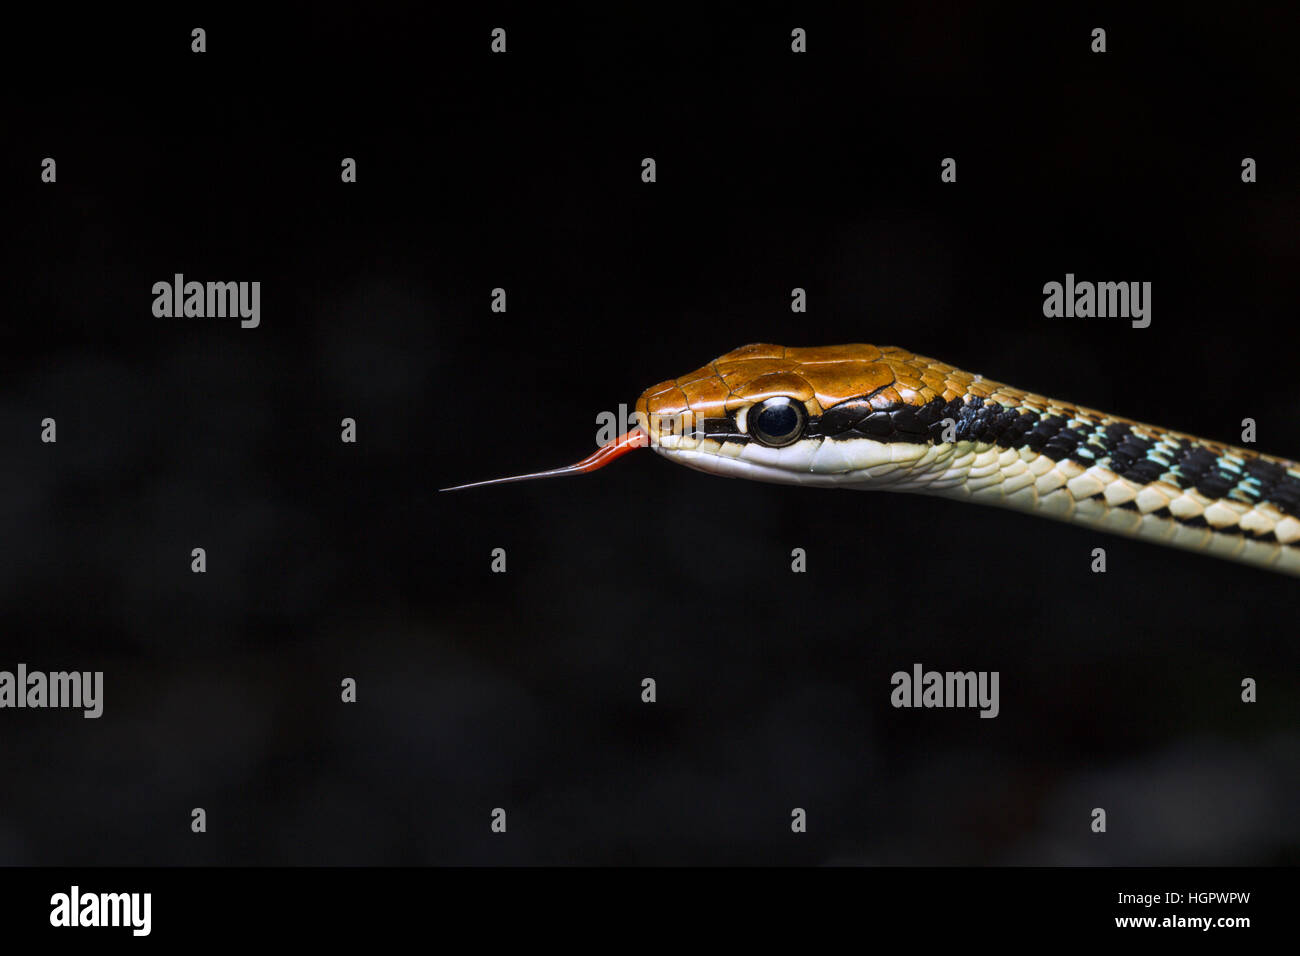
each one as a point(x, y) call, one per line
point(1182, 507)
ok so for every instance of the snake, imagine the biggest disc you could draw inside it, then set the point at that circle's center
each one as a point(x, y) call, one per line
point(871, 417)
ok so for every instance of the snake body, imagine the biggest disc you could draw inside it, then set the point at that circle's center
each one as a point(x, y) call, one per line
point(868, 417)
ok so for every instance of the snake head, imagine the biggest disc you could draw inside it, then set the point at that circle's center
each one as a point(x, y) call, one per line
point(766, 411)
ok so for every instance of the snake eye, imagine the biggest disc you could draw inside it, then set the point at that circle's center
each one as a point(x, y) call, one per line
point(776, 422)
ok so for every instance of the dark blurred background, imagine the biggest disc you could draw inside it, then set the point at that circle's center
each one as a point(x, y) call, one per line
point(522, 690)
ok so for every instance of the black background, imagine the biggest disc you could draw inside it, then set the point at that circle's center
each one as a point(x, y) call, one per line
point(522, 690)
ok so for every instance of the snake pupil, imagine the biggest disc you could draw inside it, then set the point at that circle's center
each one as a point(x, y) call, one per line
point(776, 422)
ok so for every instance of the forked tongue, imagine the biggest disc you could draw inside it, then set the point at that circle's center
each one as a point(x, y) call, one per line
point(620, 446)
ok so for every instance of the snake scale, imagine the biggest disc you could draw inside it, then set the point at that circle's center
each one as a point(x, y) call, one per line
point(868, 417)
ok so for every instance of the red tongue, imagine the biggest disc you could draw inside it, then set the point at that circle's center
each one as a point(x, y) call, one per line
point(619, 447)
